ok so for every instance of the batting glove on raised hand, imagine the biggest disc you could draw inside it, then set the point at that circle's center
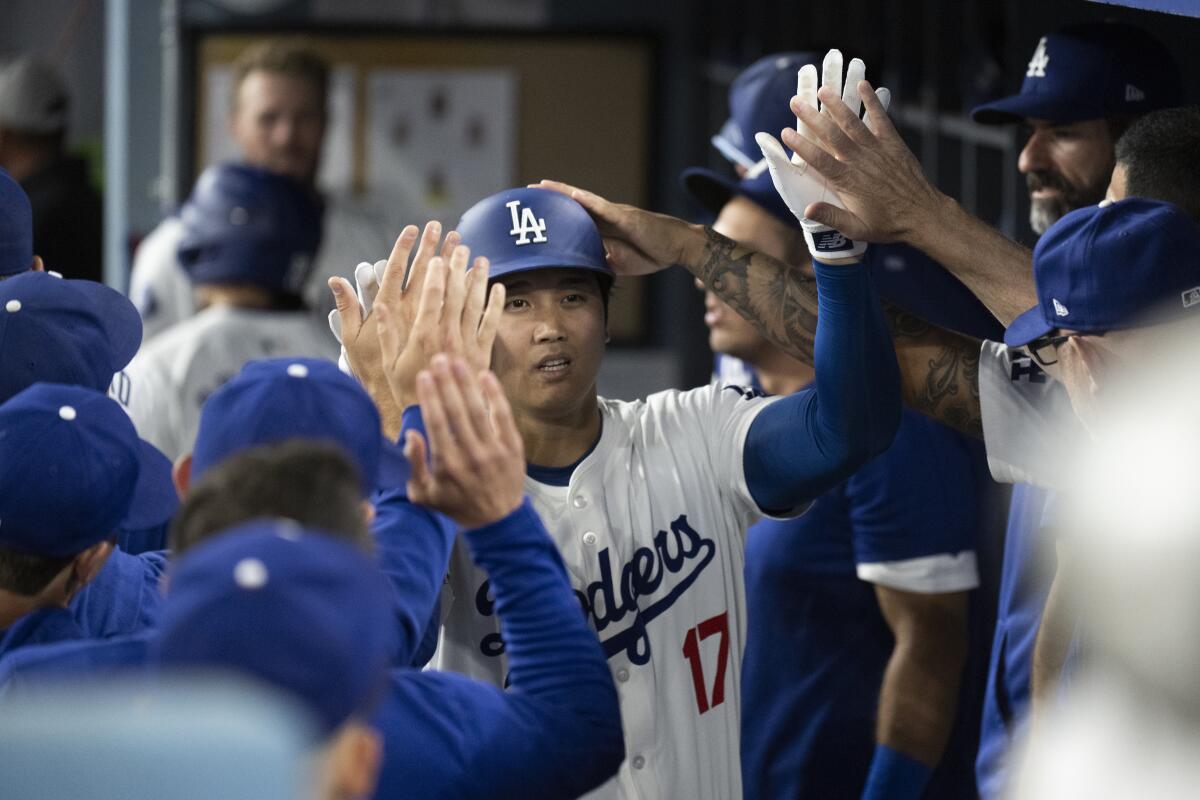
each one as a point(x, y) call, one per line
point(797, 182)
point(367, 278)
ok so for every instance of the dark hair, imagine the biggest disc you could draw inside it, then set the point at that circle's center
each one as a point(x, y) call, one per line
point(290, 57)
point(312, 483)
point(27, 574)
point(1161, 155)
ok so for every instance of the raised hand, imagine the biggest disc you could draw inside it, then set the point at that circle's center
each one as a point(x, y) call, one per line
point(800, 183)
point(473, 467)
point(637, 242)
point(399, 285)
point(455, 315)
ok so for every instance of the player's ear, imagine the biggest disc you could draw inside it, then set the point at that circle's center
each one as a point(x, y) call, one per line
point(355, 758)
point(181, 474)
point(85, 567)
point(368, 512)
point(37, 265)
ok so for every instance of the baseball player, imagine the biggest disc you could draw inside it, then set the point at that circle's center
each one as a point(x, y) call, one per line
point(1078, 78)
point(278, 119)
point(857, 611)
point(16, 230)
point(648, 501)
point(72, 471)
point(250, 236)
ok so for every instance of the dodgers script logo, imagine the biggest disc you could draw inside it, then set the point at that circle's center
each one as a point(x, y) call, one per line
point(526, 223)
point(679, 551)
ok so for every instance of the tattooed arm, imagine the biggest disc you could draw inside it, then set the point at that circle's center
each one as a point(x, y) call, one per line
point(939, 370)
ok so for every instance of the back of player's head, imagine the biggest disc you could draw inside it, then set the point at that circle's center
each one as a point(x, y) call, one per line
point(274, 400)
point(63, 331)
point(72, 471)
point(290, 57)
point(289, 607)
point(16, 228)
point(313, 484)
point(1160, 153)
point(248, 226)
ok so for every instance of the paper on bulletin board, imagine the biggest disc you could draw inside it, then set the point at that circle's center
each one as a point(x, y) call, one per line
point(336, 173)
point(438, 140)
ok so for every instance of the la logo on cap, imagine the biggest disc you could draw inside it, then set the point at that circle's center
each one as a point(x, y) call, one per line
point(1039, 62)
point(525, 223)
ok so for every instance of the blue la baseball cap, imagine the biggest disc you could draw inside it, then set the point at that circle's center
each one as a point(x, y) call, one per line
point(244, 224)
point(63, 331)
point(73, 471)
point(759, 100)
point(1104, 268)
point(293, 608)
point(525, 229)
point(1091, 71)
point(16, 227)
point(273, 400)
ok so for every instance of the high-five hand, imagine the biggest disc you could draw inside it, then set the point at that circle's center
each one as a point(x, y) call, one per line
point(799, 182)
point(473, 467)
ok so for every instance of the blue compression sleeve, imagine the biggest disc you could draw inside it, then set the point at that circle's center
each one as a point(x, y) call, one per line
point(895, 776)
point(413, 546)
point(805, 444)
point(556, 732)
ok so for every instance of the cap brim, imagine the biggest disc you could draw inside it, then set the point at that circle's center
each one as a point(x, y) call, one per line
point(1027, 327)
point(1033, 105)
point(712, 191)
point(154, 498)
point(394, 469)
point(545, 262)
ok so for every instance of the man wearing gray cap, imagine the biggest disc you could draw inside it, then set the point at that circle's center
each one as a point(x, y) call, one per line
point(67, 214)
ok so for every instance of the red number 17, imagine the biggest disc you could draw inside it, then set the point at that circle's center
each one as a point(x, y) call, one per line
point(691, 651)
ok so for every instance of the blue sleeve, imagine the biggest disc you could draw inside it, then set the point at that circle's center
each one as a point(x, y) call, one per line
point(805, 444)
point(556, 732)
point(918, 499)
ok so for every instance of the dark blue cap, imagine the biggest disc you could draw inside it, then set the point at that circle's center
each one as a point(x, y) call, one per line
point(72, 471)
point(1091, 71)
point(759, 101)
point(295, 609)
point(16, 227)
point(274, 400)
point(525, 229)
point(1106, 268)
point(63, 331)
point(247, 225)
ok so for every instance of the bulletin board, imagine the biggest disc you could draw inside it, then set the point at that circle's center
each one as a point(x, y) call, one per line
point(428, 123)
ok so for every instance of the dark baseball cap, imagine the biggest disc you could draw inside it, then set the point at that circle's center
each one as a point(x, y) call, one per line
point(16, 227)
point(295, 609)
point(1091, 71)
point(1104, 268)
point(273, 400)
point(73, 471)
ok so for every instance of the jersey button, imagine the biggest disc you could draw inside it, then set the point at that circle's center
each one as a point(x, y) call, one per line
point(579, 501)
point(638, 762)
point(622, 675)
point(589, 538)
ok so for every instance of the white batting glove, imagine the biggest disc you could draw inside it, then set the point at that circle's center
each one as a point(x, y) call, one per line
point(366, 285)
point(799, 184)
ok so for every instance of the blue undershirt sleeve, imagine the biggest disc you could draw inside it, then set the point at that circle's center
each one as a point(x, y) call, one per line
point(556, 731)
point(804, 444)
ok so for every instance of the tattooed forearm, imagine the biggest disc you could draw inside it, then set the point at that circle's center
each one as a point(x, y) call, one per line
point(939, 370)
point(780, 301)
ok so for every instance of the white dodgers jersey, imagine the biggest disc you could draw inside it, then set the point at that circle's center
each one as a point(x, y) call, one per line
point(171, 377)
point(651, 528)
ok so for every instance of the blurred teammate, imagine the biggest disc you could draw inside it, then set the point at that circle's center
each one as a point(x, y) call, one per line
point(73, 472)
point(248, 243)
point(1076, 78)
point(278, 120)
point(67, 213)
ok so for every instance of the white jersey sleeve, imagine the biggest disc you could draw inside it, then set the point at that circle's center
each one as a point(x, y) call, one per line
point(1029, 428)
point(158, 286)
